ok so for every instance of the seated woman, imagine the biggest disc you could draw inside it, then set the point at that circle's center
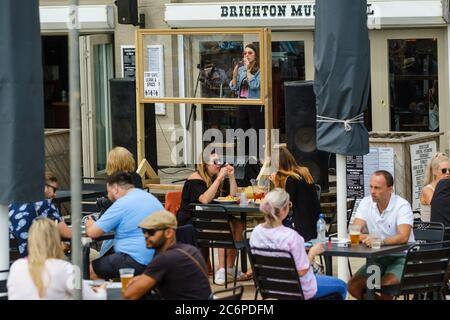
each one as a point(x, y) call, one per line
point(44, 274)
point(205, 184)
point(438, 168)
point(298, 182)
point(272, 234)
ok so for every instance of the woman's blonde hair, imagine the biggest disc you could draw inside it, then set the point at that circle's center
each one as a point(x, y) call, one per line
point(288, 167)
point(433, 164)
point(120, 159)
point(272, 203)
point(44, 243)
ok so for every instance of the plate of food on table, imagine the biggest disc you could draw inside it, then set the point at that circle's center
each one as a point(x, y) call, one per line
point(227, 199)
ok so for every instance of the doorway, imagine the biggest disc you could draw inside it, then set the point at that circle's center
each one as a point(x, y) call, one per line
point(56, 81)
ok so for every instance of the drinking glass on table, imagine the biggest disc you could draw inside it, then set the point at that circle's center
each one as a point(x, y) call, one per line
point(126, 274)
point(355, 233)
point(375, 240)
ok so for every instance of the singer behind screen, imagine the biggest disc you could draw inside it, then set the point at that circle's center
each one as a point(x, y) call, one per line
point(246, 84)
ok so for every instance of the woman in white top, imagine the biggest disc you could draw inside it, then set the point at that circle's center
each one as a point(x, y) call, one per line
point(44, 274)
point(438, 168)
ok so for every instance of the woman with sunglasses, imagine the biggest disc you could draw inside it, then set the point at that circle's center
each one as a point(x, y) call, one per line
point(438, 168)
point(246, 83)
point(246, 79)
point(272, 234)
point(205, 184)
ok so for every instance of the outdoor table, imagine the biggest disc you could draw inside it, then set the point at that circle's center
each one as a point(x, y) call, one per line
point(64, 195)
point(359, 251)
point(244, 211)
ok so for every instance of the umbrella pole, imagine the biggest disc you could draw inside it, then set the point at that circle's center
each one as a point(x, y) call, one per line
point(4, 250)
point(341, 199)
point(75, 147)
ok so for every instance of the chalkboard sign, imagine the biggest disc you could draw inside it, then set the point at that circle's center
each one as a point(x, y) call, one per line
point(128, 61)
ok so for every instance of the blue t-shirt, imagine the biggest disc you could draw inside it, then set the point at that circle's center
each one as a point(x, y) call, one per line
point(21, 216)
point(123, 217)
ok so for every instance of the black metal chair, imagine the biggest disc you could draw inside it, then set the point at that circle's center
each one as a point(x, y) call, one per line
point(13, 251)
point(213, 226)
point(447, 234)
point(417, 216)
point(426, 271)
point(332, 227)
point(425, 232)
point(276, 275)
point(234, 293)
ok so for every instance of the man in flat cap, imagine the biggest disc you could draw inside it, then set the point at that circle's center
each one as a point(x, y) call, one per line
point(177, 270)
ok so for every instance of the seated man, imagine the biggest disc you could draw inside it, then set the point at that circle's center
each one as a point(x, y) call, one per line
point(389, 215)
point(21, 215)
point(130, 206)
point(178, 270)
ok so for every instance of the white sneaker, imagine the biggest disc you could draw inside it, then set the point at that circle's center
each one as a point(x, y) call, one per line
point(219, 277)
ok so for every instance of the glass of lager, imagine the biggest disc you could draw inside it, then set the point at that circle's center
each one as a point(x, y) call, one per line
point(355, 232)
point(126, 274)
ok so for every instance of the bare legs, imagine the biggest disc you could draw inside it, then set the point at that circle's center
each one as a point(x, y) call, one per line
point(237, 227)
point(357, 286)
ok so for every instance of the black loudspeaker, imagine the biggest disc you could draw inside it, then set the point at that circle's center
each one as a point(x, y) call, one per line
point(123, 120)
point(127, 12)
point(300, 108)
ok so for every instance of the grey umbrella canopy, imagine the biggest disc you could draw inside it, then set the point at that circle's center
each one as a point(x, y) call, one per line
point(21, 103)
point(342, 76)
point(342, 84)
point(21, 114)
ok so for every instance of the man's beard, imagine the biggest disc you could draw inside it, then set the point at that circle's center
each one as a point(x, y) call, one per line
point(158, 244)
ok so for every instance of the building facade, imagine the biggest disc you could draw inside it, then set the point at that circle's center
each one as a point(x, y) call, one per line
point(409, 45)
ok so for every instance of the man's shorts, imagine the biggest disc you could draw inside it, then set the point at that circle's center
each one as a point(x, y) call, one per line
point(392, 265)
point(107, 266)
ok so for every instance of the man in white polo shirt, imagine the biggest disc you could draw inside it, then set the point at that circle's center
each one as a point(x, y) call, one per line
point(390, 216)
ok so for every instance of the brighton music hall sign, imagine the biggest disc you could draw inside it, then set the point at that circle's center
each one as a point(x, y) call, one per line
point(278, 10)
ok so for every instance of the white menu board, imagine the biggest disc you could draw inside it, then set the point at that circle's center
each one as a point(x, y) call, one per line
point(154, 77)
point(377, 159)
point(420, 154)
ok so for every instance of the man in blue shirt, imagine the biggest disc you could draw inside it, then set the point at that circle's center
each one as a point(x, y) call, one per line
point(22, 215)
point(130, 206)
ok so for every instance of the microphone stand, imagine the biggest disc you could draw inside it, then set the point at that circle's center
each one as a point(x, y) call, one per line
point(193, 112)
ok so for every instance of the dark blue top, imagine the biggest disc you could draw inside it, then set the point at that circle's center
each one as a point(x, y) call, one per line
point(21, 216)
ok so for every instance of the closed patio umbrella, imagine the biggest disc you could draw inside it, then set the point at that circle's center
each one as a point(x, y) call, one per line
point(21, 115)
point(342, 84)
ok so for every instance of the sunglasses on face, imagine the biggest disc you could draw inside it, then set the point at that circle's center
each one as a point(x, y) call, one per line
point(151, 232)
point(53, 187)
point(247, 53)
point(217, 162)
point(445, 170)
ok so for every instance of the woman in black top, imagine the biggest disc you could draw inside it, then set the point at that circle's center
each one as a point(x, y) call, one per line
point(299, 183)
point(205, 184)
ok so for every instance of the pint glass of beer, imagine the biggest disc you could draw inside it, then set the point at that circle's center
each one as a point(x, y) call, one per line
point(126, 274)
point(355, 232)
